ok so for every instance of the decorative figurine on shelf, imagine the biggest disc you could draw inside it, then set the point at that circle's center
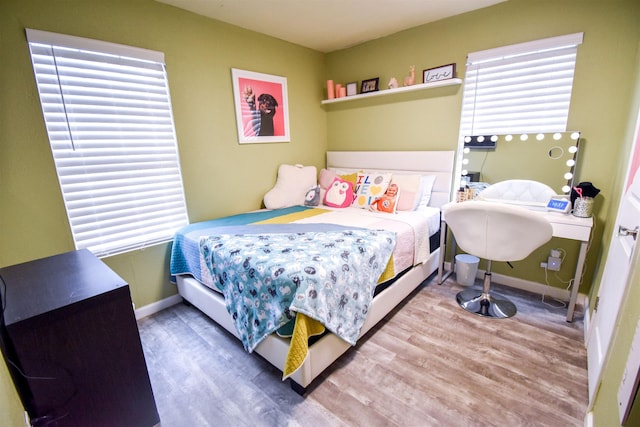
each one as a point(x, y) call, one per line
point(411, 78)
point(393, 83)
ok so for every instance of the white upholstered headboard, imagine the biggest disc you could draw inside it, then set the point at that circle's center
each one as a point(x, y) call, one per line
point(438, 163)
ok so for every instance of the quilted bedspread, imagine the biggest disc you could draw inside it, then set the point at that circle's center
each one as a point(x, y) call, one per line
point(267, 272)
point(314, 280)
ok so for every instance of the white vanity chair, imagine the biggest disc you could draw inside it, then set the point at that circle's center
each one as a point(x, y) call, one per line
point(495, 232)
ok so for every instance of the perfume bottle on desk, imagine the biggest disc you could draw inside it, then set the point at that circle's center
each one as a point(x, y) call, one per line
point(464, 194)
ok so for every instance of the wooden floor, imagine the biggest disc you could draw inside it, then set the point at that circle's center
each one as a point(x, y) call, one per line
point(429, 363)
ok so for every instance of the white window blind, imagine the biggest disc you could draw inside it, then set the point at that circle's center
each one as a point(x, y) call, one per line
point(520, 88)
point(108, 115)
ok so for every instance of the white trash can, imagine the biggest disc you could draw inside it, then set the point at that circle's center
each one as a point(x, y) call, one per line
point(466, 269)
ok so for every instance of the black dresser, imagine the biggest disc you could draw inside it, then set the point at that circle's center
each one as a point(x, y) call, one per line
point(71, 344)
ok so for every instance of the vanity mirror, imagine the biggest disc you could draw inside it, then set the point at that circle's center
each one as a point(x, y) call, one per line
point(549, 158)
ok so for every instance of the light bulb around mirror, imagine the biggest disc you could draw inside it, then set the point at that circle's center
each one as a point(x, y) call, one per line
point(566, 189)
point(524, 137)
point(467, 139)
point(466, 150)
point(508, 138)
point(575, 135)
point(568, 175)
point(557, 136)
point(571, 162)
point(464, 172)
point(481, 138)
point(540, 137)
point(573, 149)
point(465, 161)
point(494, 138)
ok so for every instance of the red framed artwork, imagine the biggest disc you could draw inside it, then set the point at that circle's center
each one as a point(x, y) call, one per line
point(262, 107)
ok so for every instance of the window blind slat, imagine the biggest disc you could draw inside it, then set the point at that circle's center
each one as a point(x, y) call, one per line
point(120, 229)
point(110, 126)
point(135, 218)
point(120, 202)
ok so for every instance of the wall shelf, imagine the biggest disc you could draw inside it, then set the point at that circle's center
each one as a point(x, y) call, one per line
point(416, 87)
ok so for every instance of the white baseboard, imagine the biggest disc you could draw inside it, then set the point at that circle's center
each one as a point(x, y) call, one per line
point(531, 286)
point(157, 306)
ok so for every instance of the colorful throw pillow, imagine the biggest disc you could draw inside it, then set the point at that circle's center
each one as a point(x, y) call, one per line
point(291, 186)
point(369, 187)
point(326, 178)
point(339, 194)
point(388, 202)
point(350, 177)
point(313, 196)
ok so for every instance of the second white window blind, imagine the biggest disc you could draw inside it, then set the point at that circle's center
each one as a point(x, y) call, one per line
point(520, 88)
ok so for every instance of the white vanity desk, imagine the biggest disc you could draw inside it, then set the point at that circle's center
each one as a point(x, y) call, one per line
point(565, 226)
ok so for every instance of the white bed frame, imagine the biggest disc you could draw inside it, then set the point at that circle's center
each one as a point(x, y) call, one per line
point(327, 349)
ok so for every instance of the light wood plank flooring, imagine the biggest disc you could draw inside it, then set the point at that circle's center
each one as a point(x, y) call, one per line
point(429, 363)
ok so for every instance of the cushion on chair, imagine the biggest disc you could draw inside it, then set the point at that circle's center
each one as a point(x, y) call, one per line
point(497, 231)
point(518, 191)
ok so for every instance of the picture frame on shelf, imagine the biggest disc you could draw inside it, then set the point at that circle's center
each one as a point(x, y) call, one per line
point(261, 106)
point(443, 72)
point(370, 85)
point(352, 88)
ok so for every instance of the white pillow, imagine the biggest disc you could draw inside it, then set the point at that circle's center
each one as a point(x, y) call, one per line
point(427, 182)
point(291, 186)
point(410, 191)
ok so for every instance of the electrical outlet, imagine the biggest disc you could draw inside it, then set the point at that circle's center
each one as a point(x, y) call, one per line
point(553, 263)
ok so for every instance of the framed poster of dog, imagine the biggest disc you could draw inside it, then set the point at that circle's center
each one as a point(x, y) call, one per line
point(262, 107)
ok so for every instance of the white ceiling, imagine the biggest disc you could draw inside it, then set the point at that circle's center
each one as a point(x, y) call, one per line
point(328, 25)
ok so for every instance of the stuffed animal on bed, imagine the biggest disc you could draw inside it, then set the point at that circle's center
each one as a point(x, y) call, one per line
point(339, 194)
point(388, 201)
point(312, 198)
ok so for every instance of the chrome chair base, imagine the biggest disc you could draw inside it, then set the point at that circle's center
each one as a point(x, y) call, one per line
point(483, 304)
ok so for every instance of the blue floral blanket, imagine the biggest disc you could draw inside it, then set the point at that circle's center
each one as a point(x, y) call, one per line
point(269, 272)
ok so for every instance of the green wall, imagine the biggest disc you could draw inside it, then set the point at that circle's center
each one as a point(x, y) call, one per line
point(606, 406)
point(222, 177)
point(430, 120)
point(604, 107)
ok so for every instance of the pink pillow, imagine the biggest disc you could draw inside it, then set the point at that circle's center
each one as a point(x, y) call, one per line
point(326, 178)
point(339, 194)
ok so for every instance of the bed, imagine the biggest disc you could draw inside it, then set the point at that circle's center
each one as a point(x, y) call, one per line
point(214, 260)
